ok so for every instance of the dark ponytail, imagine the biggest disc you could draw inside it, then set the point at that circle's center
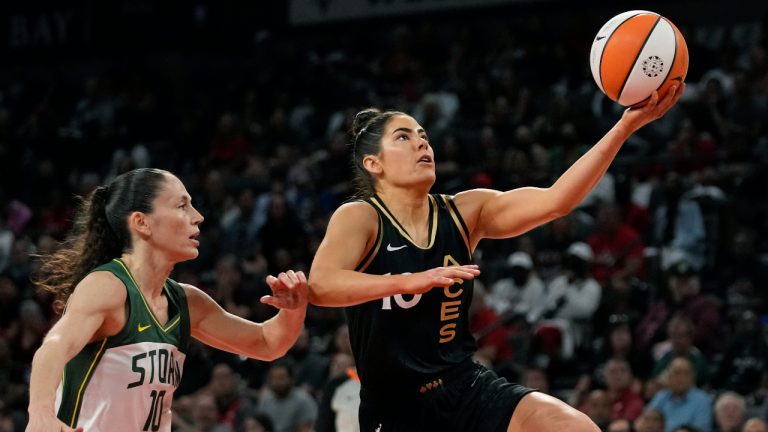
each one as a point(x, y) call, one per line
point(367, 130)
point(100, 231)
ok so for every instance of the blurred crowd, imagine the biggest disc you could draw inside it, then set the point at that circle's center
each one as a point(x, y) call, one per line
point(646, 307)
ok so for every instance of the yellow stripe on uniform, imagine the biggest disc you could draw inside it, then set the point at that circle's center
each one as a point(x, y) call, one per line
point(456, 220)
point(141, 294)
point(375, 249)
point(85, 378)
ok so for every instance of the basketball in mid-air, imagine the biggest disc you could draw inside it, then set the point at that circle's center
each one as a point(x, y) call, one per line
point(635, 53)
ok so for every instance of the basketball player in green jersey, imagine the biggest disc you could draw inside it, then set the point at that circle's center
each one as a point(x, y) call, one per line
point(122, 339)
point(399, 260)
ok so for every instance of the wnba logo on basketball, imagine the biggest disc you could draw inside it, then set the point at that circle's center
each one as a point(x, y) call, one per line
point(653, 66)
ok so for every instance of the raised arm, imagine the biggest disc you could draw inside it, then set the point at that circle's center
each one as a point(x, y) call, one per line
point(494, 214)
point(95, 310)
point(351, 233)
point(214, 326)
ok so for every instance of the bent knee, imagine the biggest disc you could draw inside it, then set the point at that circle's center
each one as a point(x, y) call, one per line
point(543, 413)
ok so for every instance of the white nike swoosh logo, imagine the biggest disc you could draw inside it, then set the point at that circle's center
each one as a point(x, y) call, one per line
point(392, 249)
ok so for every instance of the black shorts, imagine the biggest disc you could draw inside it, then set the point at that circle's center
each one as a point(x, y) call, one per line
point(469, 398)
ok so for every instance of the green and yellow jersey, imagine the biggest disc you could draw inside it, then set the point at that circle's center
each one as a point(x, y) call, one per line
point(126, 381)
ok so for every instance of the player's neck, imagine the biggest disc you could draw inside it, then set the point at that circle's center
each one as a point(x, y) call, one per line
point(149, 272)
point(411, 208)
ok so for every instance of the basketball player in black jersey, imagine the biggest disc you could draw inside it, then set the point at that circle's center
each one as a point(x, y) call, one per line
point(399, 260)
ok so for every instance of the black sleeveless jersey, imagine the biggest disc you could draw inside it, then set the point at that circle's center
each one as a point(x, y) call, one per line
point(402, 342)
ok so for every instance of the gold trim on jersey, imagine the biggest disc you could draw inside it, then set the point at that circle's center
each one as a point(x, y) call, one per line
point(169, 324)
point(375, 249)
point(457, 221)
point(85, 378)
point(403, 232)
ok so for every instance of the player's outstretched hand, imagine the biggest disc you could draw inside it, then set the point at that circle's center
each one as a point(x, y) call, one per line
point(289, 290)
point(422, 282)
point(635, 118)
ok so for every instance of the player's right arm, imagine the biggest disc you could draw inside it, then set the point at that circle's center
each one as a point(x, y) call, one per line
point(351, 233)
point(95, 310)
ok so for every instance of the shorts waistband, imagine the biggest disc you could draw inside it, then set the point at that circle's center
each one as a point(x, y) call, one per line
point(408, 393)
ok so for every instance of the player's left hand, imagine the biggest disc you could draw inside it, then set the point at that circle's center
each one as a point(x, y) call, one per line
point(289, 290)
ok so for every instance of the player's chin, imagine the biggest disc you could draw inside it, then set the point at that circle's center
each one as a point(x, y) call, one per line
point(426, 177)
point(188, 254)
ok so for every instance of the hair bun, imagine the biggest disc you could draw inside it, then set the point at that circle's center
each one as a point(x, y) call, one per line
point(363, 118)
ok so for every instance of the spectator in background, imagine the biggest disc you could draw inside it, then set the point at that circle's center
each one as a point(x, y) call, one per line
point(681, 335)
point(491, 331)
point(625, 402)
point(598, 408)
point(290, 408)
point(231, 402)
point(340, 401)
point(536, 378)
point(240, 222)
point(521, 292)
point(257, 423)
point(572, 299)
point(745, 360)
point(617, 248)
point(551, 242)
point(29, 334)
point(681, 402)
point(683, 297)
point(618, 262)
point(310, 368)
point(678, 225)
point(10, 305)
point(620, 343)
point(650, 420)
point(742, 273)
point(282, 231)
point(205, 416)
point(730, 412)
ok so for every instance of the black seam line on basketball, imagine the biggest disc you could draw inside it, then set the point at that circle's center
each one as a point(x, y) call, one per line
point(629, 72)
point(674, 56)
point(599, 64)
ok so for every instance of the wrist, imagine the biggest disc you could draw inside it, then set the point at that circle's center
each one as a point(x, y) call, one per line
point(624, 128)
point(294, 315)
point(36, 409)
point(400, 284)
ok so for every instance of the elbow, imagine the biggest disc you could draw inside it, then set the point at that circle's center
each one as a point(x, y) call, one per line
point(275, 350)
point(274, 354)
point(561, 205)
point(558, 210)
point(317, 293)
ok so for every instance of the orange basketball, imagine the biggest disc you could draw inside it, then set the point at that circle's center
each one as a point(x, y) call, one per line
point(635, 53)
